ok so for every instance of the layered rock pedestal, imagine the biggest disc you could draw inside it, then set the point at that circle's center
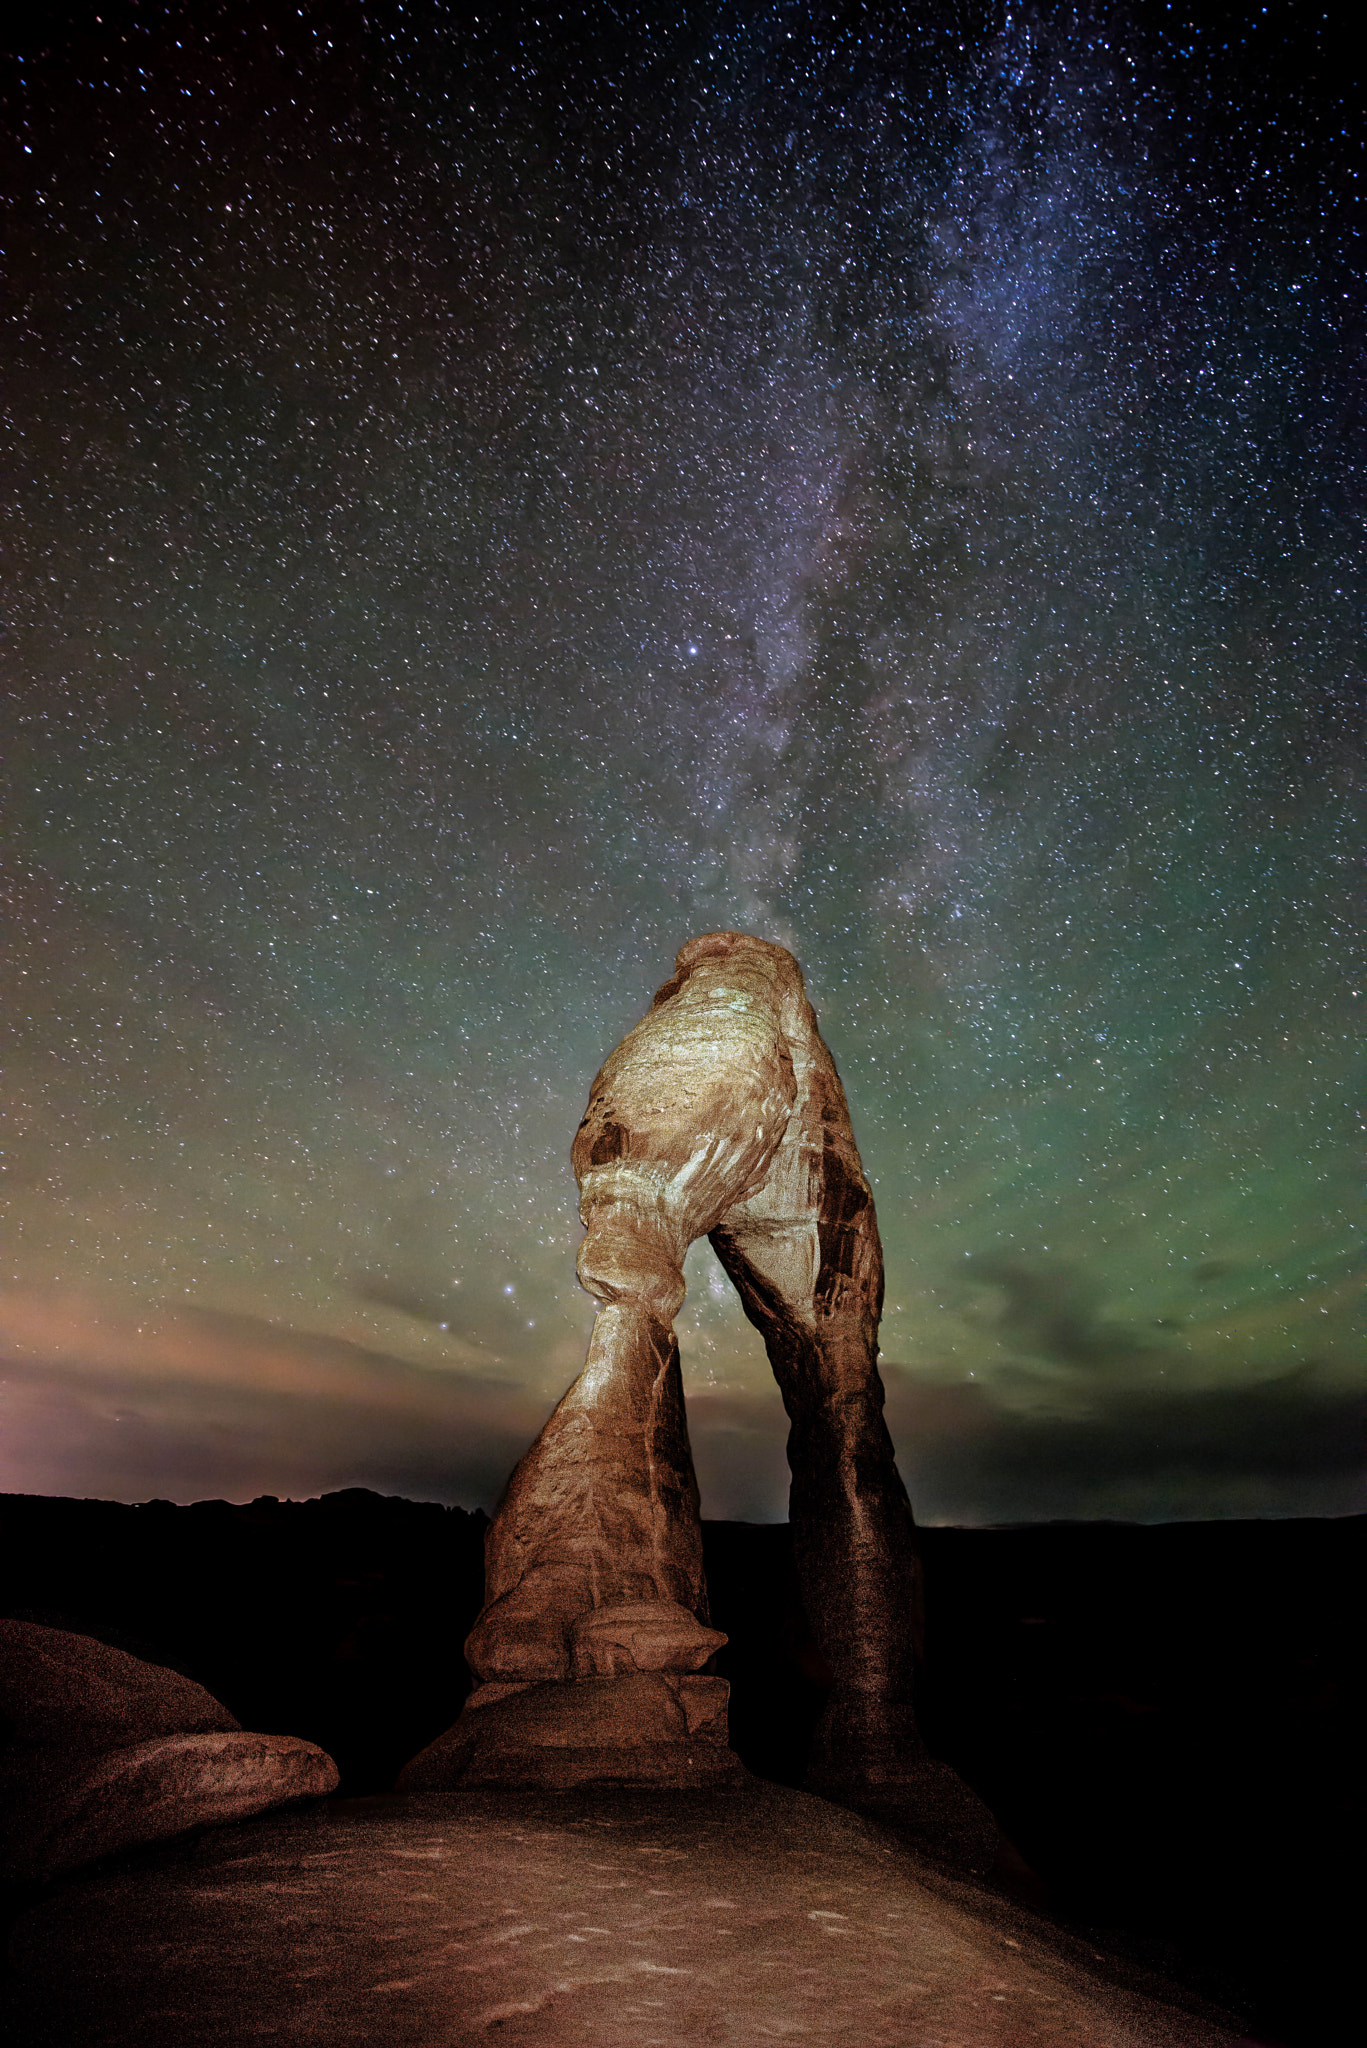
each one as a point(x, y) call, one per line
point(102, 1751)
point(721, 1116)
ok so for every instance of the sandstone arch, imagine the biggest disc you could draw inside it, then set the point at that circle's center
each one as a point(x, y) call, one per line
point(721, 1115)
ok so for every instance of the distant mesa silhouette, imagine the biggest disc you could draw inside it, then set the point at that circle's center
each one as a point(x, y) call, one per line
point(105, 1752)
point(720, 1115)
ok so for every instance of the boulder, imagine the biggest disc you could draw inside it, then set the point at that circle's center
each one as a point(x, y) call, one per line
point(70, 1693)
point(101, 1751)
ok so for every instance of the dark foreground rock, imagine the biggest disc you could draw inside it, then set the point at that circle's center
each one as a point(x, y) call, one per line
point(338, 1619)
point(613, 1920)
point(1167, 1719)
point(102, 1752)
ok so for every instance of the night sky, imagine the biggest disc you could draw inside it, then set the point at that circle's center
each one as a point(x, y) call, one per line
point(489, 496)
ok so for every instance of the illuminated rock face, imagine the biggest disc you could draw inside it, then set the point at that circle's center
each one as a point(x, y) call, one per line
point(722, 1116)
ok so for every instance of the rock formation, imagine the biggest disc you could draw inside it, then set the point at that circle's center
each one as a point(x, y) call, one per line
point(720, 1115)
point(100, 1751)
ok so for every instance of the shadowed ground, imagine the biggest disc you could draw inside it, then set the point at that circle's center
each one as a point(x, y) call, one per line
point(662, 1920)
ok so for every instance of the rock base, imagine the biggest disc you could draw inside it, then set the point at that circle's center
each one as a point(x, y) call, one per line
point(644, 1728)
point(929, 1805)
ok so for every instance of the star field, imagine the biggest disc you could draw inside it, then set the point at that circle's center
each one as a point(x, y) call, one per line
point(490, 496)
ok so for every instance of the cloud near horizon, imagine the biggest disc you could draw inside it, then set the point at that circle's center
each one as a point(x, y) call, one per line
point(189, 1403)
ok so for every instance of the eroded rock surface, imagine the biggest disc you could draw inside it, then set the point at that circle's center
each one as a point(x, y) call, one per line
point(720, 1115)
point(101, 1751)
point(566, 1920)
point(640, 1635)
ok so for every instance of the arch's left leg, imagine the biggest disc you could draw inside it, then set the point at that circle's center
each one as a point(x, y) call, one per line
point(595, 1615)
point(602, 1512)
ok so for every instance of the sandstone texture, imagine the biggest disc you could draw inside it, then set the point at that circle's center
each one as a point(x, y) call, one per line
point(101, 1751)
point(720, 1115)
point(602, 1919)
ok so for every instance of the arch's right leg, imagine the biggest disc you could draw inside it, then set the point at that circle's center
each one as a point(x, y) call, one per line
point(804, 1254)
point(854, 1545)
point(854, 1541)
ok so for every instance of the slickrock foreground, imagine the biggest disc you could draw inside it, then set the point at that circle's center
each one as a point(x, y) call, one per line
point(613, 1920)
point(100, 1751)
point(720, 1115)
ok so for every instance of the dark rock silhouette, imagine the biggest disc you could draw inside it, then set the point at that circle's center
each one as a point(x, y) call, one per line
point(720, 1115)
point(1166, 1719)
point(338, 1619)
point(103, 1751)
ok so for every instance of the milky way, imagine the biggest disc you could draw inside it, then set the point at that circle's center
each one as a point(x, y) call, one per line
point(490, 500)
